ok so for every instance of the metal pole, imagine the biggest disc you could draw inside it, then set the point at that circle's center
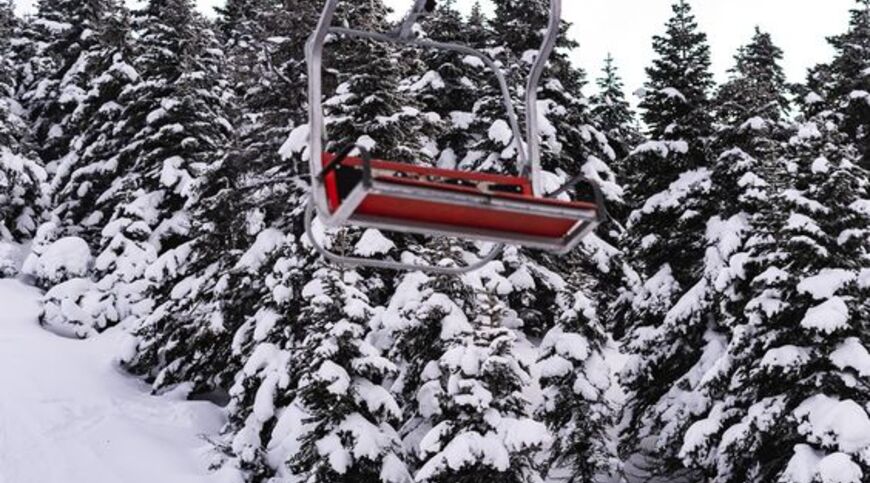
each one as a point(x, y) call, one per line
point(314, 58)
point(407, 28)
point(533, 168)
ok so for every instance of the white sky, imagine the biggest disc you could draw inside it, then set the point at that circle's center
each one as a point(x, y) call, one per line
point(626, 27)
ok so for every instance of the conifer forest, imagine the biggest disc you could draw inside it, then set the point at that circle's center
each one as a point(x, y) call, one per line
point(155, 262)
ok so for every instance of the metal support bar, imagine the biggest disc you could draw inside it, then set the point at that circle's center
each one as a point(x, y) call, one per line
point(600, 201)
point(533, 168)
point(406, 30)
point(339, 158)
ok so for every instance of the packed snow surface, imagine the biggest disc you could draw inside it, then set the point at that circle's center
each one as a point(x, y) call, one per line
point(69, 415)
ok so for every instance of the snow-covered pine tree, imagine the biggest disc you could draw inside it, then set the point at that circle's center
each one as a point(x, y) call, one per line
point(81, 179)
point(175, 126)
point(618, 120)
point(669, 181)
point(450, 85)
point(750, 110)
point(844, 84)
point(61, 37)
point(575, 378)
point(675, 107)
point(351, 415)
point(533, 288)
point(21, 173)
point(244, 308)
point(472, 418)
point(248, 212)
point(368, 107)
point(757, 85)
point(786, 398)
point(619, 123)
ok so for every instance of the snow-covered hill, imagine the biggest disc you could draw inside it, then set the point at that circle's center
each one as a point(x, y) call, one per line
point(69, 415)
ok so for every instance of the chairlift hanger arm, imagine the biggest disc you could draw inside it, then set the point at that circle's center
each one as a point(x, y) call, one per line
point(424, 200)
point(528, 147)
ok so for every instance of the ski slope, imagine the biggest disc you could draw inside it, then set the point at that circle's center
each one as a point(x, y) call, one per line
point(68, 414)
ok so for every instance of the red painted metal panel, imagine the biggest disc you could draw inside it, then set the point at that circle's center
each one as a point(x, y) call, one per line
point(442, 213)
point(464, 216)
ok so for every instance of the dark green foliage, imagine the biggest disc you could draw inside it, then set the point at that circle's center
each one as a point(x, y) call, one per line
point(83, 178)
point(676, 99)
point(616, 116)
point(781, 360)
point(351, 415)
point(21, 175)
point(61, 39)
point(844, 84)
point(757, 85)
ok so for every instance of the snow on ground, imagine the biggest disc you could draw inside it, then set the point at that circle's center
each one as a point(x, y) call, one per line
point(68, 414)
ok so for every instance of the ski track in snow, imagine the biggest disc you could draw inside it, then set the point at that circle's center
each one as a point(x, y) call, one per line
point(68, 414)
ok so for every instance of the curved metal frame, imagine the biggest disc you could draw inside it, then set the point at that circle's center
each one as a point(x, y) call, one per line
point(528, 149)
point(387, 264)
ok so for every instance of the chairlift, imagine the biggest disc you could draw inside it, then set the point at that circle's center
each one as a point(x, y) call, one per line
point(350, 188)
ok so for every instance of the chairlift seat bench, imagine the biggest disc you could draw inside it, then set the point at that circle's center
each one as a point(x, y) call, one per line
point(468, 205)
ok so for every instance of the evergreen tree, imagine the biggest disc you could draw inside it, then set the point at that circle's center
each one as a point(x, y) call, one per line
point(614, 113)
point(844, 84)
point(82, 180)
point(369, 109)
point(751, 109)
point(241, 212)
point(83, 183)
point(668, 175)
point(237, 296)
point(757, 85)
point(676, 94)
point(669, 186)
point(481, 428)
point(175, 127)
point(742, 182)
point(62, 40)
point(21, 174)
point(351, 415)
point(675, 107)
point(575, 378)
point(784, 396)
point(451, 83)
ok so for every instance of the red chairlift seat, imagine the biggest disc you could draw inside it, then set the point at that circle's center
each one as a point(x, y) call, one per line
point(360, 191)
point(427, 201)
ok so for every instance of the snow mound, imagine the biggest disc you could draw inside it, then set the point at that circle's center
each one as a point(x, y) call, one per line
point(786, 357)
point(828, 317)
point(69, 308)
point(834, 423)
point(373, 243)
point(673, 93)
point(267, 242)
point(296, 142)
point(852, 353)
point(501, 133)
point(65, 259)
point(72, 400)
point(824, 285)
point(9, 255)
